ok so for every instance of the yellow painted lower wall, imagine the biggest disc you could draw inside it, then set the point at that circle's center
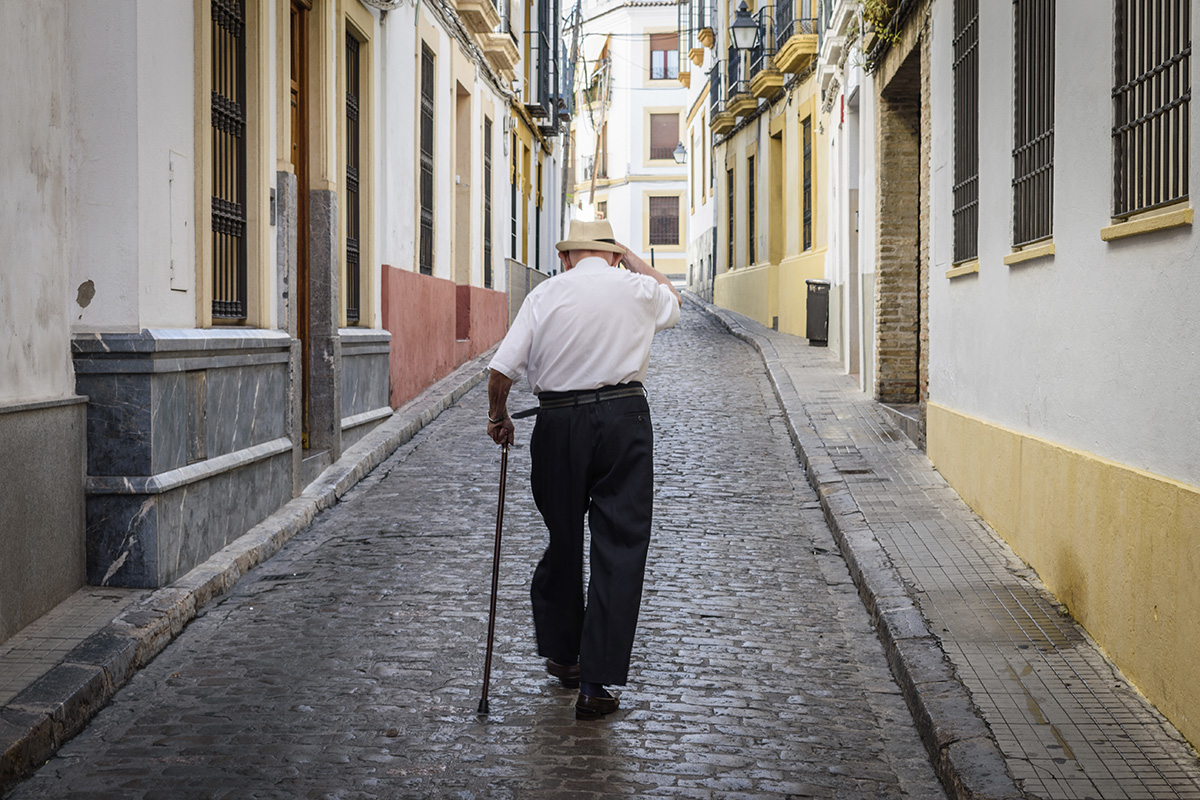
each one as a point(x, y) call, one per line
point(766, 291)
point(1118, 546)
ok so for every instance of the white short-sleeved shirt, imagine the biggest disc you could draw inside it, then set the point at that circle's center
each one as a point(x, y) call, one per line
point(588, 327)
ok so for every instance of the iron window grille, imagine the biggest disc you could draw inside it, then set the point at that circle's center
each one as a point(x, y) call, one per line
point(751, 204)
point(738, 83)
point(664, 221)
point(1151, 104)
point(664, 136)
point(229, 159)
point(1033, 120)
point(353, 194)
point(487, 203)
point(966, 130)
point(762, 55)
point(537, 222)
point(732, 216)
point(513, 211)
point(716, 96)
point(806, 133)
point(794, 17)
point(664, 56)
point(425, 263)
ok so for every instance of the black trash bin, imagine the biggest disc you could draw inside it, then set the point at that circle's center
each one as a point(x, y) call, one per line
point(818, 313)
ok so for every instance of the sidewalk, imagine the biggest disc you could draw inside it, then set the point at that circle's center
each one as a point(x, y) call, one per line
point(57, 672)
point(1011, 697)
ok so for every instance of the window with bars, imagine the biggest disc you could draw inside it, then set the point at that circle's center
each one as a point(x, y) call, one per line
point(229, 160)
point(537, 222)
point(664, 220)
point(732, 215)
point(664, 56)
point(1152, 95)
point(353, 187)
point(512, 188)
point(807, 204)
point(664, 136)
point(1033, 120)
point(751, 208)
point(966, 130)
point(487, 203)
point(425, 255)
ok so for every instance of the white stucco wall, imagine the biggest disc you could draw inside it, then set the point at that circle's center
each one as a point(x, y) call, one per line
point(36, 298)
point(399, 114)
point(1097, 346)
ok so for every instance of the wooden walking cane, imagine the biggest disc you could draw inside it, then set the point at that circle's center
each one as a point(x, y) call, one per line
point(487, 661)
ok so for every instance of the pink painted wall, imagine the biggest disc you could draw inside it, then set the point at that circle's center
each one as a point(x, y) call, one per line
point(436, 326)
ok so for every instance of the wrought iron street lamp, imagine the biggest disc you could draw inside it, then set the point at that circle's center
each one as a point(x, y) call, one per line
point(744, 29)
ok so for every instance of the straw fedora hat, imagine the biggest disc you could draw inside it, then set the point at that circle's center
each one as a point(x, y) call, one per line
point(596, 235)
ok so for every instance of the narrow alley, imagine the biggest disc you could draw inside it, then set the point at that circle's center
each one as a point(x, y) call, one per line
point(349, 665)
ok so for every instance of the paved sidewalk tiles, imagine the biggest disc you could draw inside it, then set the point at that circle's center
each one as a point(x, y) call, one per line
point(1063, 719)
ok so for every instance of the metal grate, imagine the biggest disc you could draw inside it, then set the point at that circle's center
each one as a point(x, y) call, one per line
point(806, 132)
point(732, 216)
point(426, 234)
point(664, 220)
point(1151, 104)
point(751, 204)
point(715, 86)
point(738, 83)
point(1033, 120)
point(487, 203)
point(794, 17)
point(762, 55)
point(353, 193)
point(966, 130)
point(229, 159)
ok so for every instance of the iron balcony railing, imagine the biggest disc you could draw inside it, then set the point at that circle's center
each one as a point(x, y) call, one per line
point(716, 93)
point(738, 82)
point(794, 17)
point(762, 55)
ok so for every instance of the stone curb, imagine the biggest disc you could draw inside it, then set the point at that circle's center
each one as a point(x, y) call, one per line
point(963, 751)
point(45, 715)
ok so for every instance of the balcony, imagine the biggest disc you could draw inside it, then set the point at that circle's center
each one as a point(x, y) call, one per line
point(797, 28)
point(719, 118)
point(501, 49)
point(740, 102)
point(478, 16)
point(766, 80)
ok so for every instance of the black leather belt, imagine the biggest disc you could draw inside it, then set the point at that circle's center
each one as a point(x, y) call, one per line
point(567, 399)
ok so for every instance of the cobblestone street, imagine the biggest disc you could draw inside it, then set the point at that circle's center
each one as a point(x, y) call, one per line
point(350, 664)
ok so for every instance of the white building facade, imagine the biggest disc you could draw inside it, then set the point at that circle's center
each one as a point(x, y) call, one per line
point(630, 117)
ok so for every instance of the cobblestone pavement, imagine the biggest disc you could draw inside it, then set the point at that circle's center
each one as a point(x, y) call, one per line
point(349, 665)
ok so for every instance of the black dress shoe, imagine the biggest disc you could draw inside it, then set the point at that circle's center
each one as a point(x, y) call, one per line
point(588, 707)
point(567, 674)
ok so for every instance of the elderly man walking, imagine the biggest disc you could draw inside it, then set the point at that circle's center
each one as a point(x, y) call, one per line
point(583, 340)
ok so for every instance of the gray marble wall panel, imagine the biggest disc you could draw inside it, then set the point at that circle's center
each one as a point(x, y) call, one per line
point(168, 421)
point(324, 345)
point(183, 408)
point(244, 406)
point(118, 423)
point(41, 508)
point(364, 370)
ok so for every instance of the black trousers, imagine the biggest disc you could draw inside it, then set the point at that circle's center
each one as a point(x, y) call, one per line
point(594, 459)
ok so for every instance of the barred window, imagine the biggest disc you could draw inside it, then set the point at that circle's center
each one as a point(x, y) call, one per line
point(426, 234)
point(229, 159)
point(664, 56)
point(1033, 120)
point(353, 191)
point(487, 203)
point(732, 215)
point(751, 205)
point(664, 220)
point(808, 168)
point(1151, 104)
point(966, 130)
point(664, 136)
